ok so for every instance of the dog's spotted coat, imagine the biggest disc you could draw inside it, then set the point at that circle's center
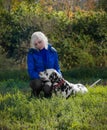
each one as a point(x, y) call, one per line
point(60, 84)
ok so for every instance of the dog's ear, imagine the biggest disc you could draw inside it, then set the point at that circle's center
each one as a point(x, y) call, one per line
point(46, 73)
point(54, 74)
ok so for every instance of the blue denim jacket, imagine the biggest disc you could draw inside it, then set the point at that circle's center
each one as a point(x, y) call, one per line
point(40, 60)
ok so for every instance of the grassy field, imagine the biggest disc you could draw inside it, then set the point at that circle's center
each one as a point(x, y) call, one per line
point(20, 112)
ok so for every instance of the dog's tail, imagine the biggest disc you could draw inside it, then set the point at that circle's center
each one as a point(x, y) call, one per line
point(95, 83)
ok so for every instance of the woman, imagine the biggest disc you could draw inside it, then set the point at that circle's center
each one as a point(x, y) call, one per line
point(41, 56)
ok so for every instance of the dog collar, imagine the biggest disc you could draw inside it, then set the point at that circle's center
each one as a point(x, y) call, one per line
point(59, 84)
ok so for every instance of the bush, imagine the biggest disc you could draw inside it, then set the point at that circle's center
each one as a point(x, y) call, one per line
point(80, 39)
point(85, 34)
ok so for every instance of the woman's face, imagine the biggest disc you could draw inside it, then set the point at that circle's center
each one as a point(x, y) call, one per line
point(39, 44)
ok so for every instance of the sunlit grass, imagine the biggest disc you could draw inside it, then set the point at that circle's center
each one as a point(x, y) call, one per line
point(82, 112)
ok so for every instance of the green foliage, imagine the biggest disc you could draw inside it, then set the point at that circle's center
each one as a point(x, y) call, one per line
point(83, 112)
point(102, 4)
point(81, 39)
point(13, 85)
point(19, 111)
point(4, 62)
point(86, 73)
point(15, 33)
point(14, 74)
point(91, 23)
point(77, 74)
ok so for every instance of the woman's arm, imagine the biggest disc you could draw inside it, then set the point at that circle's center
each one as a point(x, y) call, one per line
point(31, 67)
point(57, 67)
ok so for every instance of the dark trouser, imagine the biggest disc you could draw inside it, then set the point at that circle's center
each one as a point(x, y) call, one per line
point(37, 86)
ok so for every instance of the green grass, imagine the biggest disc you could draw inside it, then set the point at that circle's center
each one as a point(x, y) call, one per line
point(20, 112)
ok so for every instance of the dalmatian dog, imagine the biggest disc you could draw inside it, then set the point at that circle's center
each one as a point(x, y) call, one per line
point(59, 84)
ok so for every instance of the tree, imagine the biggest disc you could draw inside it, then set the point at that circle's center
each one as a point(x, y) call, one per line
point(102, 4)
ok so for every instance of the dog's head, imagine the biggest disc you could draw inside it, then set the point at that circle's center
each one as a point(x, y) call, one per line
point(50, 75)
